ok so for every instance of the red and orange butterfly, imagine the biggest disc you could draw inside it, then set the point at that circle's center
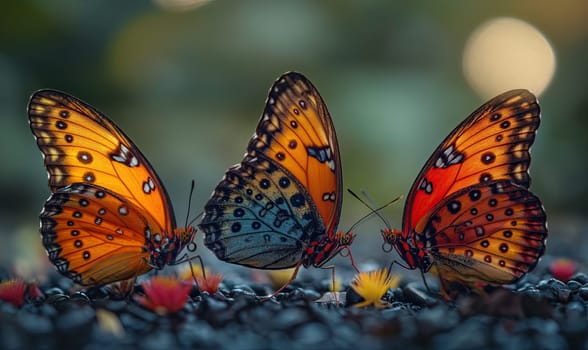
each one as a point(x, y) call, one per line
point(469, 213)
point(280, 207)
point(109, 218)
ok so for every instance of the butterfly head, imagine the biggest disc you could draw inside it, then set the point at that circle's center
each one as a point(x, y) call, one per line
point(408, 248)
point(344, 239)
point(319, 252)
point(185, 236)
point(391, 237)
point(165, 251)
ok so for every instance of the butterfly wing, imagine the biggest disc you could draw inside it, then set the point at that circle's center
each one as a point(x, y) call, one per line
point(492, 232)
point(258, 217)
point(491, 144)
point(296, 132)
point(95, 236)
point(287, 190)
point(81, 145)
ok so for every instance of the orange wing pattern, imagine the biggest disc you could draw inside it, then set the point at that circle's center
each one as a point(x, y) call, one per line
point(81, 145)
point(297, 133)
point(280, 206)
point(469, 214)
point(492, 232)
point(491, 144)
point(94, 236)
point(109, 217)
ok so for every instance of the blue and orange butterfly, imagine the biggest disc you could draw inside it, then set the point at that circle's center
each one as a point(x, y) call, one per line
point(109, 217)
point(279, 208)
point(469, 214)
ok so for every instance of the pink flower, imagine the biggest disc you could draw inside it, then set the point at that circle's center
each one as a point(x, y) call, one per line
point(34, 292)
point(210, 283)
point(164, 295)
point(563, 269)
point(13, 292)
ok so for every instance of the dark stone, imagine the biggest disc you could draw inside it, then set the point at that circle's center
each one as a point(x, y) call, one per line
point(574, 285)
point(352, 298)
point(312, 334)
point(290, 318)
point(160, 339)
point(583, 292)
point(242, 289)
point(197, 334)
point(54, 291)
point(414, 293)
point(580, 277)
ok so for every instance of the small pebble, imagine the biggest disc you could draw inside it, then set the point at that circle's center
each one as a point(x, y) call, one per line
point(414, 293)
point(580, 277)
point(54, 291)
point(352, 298)
point(583, 291)
point(311, 334)
point(158, 340)
point(290, 318)
point(237, 292)
point(547, 314)
point(574, 285)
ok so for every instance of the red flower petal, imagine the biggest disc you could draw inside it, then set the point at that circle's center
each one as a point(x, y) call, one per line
point(563, 269)
point(13, 292)
point(164, 294)
point(210, 283)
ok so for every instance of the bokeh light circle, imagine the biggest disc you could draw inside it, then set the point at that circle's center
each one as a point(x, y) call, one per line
point(507, 53)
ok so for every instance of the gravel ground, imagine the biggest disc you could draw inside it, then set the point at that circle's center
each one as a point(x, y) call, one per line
point(539, 312)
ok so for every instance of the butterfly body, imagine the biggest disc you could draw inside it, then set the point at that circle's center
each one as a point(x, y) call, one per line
point(469, 213)
point(279, 208)
point(109, 218)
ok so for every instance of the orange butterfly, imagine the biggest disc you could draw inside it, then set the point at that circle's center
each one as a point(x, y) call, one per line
point(469, 213)
point(109, 218)
point(280, 206)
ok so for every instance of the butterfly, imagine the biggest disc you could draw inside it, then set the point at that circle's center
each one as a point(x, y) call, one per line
point(109, 217)
point(280, 207)
point(469, 213)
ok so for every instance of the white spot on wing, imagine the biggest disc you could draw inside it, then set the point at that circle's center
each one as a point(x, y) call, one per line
point(332, 165)
point(439, 163)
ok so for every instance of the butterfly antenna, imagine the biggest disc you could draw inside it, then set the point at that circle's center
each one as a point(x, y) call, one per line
point(373, 211)
point(192, 186)
point(373, 204)
point(196, 218)
point(188, 224)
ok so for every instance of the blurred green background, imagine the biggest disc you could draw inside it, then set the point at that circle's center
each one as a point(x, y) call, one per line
point(187, 81)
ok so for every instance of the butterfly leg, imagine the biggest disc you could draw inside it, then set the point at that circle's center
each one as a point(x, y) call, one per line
point(425, 282)
point(350, 255)
point(192, 269)
point(334, 282)
point(292, 278)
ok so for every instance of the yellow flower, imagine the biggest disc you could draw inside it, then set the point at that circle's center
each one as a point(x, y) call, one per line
point(372, 286)
point(280, 277)
point(186, 272)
